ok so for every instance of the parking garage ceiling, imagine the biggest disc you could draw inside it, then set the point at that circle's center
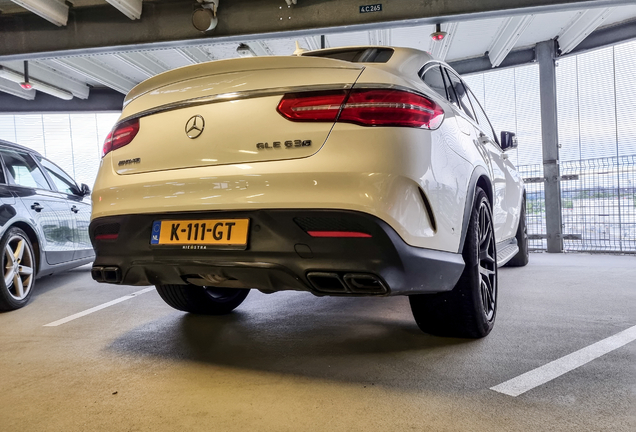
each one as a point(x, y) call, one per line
point(100, 49)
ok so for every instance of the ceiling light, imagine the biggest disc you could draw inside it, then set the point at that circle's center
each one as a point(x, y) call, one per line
point(26, 85)
point(14, 90)
point(36, 84)
point(439, 34)
point(44, 73)
point(440, 50)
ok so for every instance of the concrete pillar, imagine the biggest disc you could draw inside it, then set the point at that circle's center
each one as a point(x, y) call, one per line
point(546, 53)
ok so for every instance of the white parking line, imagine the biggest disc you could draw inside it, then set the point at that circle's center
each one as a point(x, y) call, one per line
point(556, 368)
point(97, 308)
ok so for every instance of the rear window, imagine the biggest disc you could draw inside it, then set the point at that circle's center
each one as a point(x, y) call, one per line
point(356, 55)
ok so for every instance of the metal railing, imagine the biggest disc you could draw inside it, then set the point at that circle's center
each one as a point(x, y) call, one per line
point(598, 203)
point(535, 205)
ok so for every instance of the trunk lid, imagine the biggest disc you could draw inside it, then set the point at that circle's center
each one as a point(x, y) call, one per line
point(229, 109)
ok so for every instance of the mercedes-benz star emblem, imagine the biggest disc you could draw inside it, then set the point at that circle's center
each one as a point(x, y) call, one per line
point(194, 126)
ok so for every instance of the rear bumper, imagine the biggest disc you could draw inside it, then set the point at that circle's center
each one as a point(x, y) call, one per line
point(280, 255)
point(385, 172)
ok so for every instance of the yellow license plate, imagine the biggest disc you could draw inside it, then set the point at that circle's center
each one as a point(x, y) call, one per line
point(222, 232)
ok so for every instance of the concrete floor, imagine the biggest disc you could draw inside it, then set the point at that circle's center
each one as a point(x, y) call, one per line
point(293, 362)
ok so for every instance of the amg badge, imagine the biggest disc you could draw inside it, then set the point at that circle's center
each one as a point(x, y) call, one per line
point(129, 161)
point(283, 144)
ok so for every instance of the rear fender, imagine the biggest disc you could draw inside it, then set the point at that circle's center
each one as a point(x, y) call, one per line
point(478, 178)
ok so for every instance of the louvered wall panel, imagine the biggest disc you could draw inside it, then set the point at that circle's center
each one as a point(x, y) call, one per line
point(568, 109)
point(105, 122)
point(476, 84)
point(596, 104)
point(57, 141)
point(72, 141)
point(29, 132)
point(86, 147)
point(625, 56)
point(528, 119)
point(499, 89)
point(7, 128)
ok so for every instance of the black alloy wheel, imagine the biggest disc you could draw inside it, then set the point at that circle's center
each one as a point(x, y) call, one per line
point(487, 261)
point(469, 310)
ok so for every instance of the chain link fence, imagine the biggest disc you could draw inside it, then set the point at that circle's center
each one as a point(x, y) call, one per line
point(598, 202)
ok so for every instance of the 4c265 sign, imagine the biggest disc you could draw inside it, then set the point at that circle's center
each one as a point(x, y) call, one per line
point(371, 8)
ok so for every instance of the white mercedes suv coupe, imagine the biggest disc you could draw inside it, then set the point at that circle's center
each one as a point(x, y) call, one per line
point(363, 171)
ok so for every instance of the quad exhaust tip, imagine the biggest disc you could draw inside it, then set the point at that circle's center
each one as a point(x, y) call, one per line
point(364, 283)
point(347, 283)
point(106, 274)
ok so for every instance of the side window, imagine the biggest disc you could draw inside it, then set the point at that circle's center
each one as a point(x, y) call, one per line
point(432, 76)
point(459, 95)
point(482, 118)
point(63, 181)
point(23, 171)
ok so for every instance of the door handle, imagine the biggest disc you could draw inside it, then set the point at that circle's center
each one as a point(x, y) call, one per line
point(37, 207)
point(74, 209)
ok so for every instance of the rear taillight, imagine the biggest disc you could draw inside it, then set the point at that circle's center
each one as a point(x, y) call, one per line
point(391, 108)
point(312, 106)
point(365, 107)
point(121, 135)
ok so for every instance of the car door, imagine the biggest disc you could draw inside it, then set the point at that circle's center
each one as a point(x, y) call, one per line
point(49, 212)
point(512, 183)
point(488, 146)
point(80, 206)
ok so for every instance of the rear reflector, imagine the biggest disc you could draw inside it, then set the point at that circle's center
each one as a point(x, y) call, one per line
point(341, 234)
point(121, 135)
point(106, 236)
point(364, 107)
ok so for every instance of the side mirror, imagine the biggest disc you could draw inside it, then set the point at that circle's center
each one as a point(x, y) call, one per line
point(508, 140)
point(85, 189)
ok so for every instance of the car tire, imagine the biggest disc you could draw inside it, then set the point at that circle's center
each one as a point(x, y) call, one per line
point(202, 300)
point(18, 266)
point(522, 257)
point(469, 310)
